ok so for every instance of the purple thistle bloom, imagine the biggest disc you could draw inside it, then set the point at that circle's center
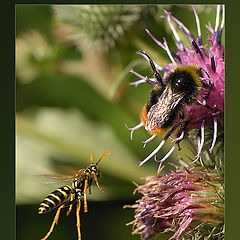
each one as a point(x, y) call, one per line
point(209, 105)
point(185, 202)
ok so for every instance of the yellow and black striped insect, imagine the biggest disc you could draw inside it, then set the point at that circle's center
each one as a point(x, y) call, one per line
point(67, 196)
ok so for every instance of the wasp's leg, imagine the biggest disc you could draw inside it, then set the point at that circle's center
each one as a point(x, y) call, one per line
point(71, 204)
point(78, 219)
point(55, 222)
point(96, 180)
point(89, 189)
point(85, 195)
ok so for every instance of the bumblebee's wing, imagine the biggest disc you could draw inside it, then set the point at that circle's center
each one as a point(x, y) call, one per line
point(160, 112)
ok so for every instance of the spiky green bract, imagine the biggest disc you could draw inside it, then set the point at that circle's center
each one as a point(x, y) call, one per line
point(97, 26)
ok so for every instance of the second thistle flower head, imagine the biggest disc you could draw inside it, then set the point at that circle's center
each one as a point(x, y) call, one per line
point(190, 94)
point(183, 203)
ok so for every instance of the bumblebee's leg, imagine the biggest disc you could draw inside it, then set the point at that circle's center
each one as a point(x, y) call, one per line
point(203, 104)
point(71, 205)
point(96, 180)
point(181, 129)
point(155, 71)
point(55, 221)
point(209, 85)
point(78, 219)
point(85, 195)
point(142, 79)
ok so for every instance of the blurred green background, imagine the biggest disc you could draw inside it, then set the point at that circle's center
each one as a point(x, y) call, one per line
point(73, 99)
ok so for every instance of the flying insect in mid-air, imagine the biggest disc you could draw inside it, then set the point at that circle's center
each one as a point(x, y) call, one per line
point(67, 196)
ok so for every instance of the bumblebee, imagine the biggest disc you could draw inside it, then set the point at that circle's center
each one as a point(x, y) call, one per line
point(165, 107)
point(67, 196)
point(181, 86)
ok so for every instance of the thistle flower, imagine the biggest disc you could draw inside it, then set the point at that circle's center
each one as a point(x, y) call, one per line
point(209, 105)
point(186, 203)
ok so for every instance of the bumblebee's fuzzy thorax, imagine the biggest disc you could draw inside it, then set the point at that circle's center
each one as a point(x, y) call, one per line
point(181, 86)
point(185, 79)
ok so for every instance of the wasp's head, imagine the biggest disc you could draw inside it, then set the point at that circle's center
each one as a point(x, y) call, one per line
point(95, 169)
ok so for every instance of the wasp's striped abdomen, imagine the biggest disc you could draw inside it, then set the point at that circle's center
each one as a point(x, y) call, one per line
point(54, 199)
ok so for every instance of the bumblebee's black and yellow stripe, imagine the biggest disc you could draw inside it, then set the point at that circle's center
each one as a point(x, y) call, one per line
point(54, 199)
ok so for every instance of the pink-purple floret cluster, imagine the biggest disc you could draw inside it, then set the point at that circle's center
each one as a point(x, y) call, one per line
point(174, 202)
point(210, 58)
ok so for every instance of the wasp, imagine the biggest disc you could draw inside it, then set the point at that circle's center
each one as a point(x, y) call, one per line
point(67, 196)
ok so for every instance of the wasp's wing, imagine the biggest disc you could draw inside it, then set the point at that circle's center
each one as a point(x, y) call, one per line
point(55, 178)
point(80, 174)
point(160, 112)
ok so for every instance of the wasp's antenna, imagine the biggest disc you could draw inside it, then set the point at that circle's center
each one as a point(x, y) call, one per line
point(91, 158)
point(106, 153)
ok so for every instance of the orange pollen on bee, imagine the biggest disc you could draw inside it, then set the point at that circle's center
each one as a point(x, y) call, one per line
point(144, 119)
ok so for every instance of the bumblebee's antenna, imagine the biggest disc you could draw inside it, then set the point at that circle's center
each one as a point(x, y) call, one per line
point(106, 153)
